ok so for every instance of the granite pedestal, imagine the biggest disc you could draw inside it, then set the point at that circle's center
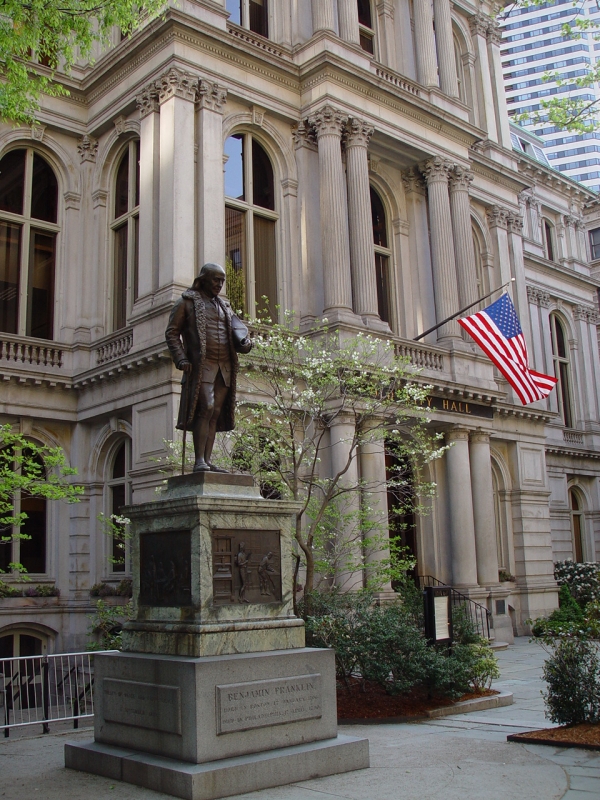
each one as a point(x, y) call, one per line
point(214, 693)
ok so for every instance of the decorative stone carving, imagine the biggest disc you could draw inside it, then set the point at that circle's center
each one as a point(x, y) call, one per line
point(413, 181)
point(119, 123)
point(87, 148)
point(570, 221)
point(147, 100)
point(211, 95)
point(258, 116)
point(515, 224)
point(585, 314)
point(494, 32)
point(357, 133)
point(304, 135)
point(461, 178)
point(436, 170)
point(479, 24)
point(498, 217)
point(386, 7)
point(328, 121)
point(37, 132)
point(176, 83)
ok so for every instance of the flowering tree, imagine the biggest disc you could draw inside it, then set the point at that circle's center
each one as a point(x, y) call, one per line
point(311, 403)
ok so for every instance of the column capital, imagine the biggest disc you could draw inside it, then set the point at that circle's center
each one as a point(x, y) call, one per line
point(569, 220)
point(538, 297)
point(386, 7)
point(515, 224)
point(176, 83)
point(479, 436)
point(147, 100)
point(210, 95)
point(87, 147)
point(412, 180)
point(328, 121)
point(585, 314)
point(357, 133)
point(436, 170)
point(479, 24)
point(494, 32)
point(304, 135)
point(457, 435)
point(461, 178)
point(497, 217)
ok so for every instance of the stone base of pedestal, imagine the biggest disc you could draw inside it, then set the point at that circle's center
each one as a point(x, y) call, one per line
point(222, 778)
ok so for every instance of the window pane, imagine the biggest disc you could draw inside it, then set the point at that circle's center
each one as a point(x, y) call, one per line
point(29, 645)
point(564, 393)
point(120, 282)
point(137, 173)
point(265, 271)
point(235, 258)
point(560, 339)
point(118, 542)
point(5, 554)
point(44, 191)
point(40, 300)
point(378, 215)
point(234, 167)
point(33, 550)
point(235, 10)
point(122, 187)
point(382, 275)
point(10, 254)
point(259, 17)
point(574, 501)
point(119, 463)
point(7, 646)
point(262, 178)
point(549, 242)
point(136, 256)
point(12, 181)
point(364, 13)
point(366, 42)
point(595, 243)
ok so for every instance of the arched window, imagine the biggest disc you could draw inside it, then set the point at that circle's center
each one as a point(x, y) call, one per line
point(460, 70)
point(577, 529)
point(28, 542)
point(549, 240)
point(251, 14)
point(28, 231)
point(250, 227)
point(383, 255)
point(17, 644)
point(119, 491)
point(562, 371)
point(365, 26)
point(125, 227)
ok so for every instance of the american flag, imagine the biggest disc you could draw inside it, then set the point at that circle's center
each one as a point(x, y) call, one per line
point(498, 332)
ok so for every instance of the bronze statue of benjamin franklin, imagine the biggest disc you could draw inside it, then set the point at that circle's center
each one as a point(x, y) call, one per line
point(204, 337)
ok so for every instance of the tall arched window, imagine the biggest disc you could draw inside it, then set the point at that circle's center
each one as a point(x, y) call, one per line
point(125, 227)
point(577, 529)
point(250, 227)
point(119, 489)
point(366, 28)
point(460, 70)
point(28, 231)
point(383, 255)
point(251, 14)
point(17, 644)
point(562, 371)
point(549, 240)
point(31, 550)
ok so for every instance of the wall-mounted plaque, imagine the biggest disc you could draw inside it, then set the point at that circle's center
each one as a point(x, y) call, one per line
point(165, 576)
point(438, 614)
point(246, 567)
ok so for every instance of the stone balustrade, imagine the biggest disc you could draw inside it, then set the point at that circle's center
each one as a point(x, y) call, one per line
point(116, 347)
point(24, 350)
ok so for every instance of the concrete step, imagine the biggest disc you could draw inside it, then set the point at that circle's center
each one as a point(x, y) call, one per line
point(499, 645)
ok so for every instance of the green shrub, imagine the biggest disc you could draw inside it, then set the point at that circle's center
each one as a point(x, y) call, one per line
point(42, 590)
point(567, 619)
point(9, 591)
point(572, 674)
point(583, 579)
point(106, 626)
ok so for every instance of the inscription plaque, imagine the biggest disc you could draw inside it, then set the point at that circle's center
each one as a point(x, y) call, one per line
point(260, 704)
point(246, 566)
point(165, 577)
point(143, 705)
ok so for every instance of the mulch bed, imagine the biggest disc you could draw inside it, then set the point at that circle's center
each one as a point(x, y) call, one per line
point(376, 704)
point(584, 735)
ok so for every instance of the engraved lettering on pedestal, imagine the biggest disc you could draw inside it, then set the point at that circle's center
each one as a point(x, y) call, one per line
point(143, 705)
point(246, 567)
point(260, 704)
point(165, 577)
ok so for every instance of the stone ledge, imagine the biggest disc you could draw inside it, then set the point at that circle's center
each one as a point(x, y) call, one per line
point(476, 704)
point(220, 778)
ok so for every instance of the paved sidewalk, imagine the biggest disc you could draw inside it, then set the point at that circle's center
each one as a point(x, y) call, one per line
point(465, 757)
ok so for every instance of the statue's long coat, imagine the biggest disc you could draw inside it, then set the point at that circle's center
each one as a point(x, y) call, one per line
point(186, 339)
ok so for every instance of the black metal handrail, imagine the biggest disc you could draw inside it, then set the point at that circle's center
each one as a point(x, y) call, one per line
point(479, 615)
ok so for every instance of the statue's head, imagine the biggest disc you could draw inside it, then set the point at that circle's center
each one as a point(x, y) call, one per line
point(210, 280)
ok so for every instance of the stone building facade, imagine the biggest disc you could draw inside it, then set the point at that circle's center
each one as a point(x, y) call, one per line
point(348, 159)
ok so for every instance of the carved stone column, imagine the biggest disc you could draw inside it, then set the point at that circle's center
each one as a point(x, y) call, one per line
point(322, 15)
point(445, 47)
point(483, 508)
point(494, 39)
point(442, 246)
point(462, 526)
point(328, 124)
point(479, 24)
point(348, 20)
point(210, 99)
point(425, 44)
point(360, 224)
point(176, 94)
point(460, 207)
point(517, 265)
point(387, 39)
point(418, 303)
point(348, 546)
point(373, 476)
point(147, 103)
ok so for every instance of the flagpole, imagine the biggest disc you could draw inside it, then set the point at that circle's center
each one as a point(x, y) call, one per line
point(462, 311)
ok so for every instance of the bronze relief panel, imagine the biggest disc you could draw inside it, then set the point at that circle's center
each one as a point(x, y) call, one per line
point(246, 567)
